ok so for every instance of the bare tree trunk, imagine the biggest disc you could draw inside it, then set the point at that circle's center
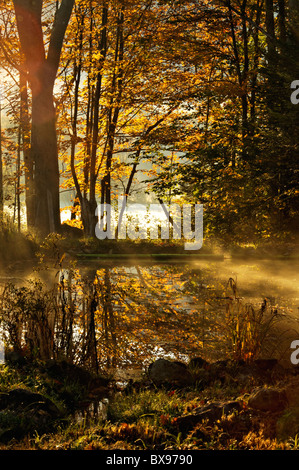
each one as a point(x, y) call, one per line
point(245, 69)
point(294, 17)
point(242, 71)
point(117, 89)
point(18, 176)
point(92, 219)
point(254, 74)
point(88, 205)
point(136, 160)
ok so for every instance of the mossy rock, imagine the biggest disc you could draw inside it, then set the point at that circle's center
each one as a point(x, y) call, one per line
point(22, 412)
point(72, 373)
point(287, 425)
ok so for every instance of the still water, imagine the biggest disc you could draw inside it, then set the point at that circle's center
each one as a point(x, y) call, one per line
point(172, 309)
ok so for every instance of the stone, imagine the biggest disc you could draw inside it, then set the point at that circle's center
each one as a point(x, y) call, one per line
point(197, 363)
point(165, 372)
point(70, 231)
point(210, 412)
point(264, 365)
point(66, 371)
point(15, 357)
point(287, 425)
point(291, 389)
point(20, 398)
point(268, 399)
point(22, 412)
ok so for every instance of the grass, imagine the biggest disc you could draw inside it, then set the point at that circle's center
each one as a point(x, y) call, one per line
point(146, 418)
point(34, 378)
point(142, 419)
point(93, 246)
point(15, 245)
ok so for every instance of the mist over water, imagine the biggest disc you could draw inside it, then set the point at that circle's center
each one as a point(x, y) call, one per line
point(255, 278)
point(275, 280)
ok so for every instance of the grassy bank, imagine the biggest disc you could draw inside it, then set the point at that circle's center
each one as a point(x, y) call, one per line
point(143, 416)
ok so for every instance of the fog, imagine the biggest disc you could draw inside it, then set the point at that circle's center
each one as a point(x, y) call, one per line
point(275, 280)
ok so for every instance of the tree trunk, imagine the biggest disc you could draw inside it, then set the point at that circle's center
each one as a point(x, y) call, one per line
point(42, 72)
point(270, 27)
point(91, 218)
point(27, 154)
point(45, 156)
point(254, 74)
point(282, 21)
point(294, 17)
point(116, 95)
point(1, 165)
point(246, 143)
point(89, 205)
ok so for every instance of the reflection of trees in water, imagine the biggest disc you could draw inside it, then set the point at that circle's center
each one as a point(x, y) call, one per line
point(90, 310)
point(117, 317)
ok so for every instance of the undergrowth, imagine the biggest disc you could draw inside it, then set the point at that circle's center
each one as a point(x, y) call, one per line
point(147, 419)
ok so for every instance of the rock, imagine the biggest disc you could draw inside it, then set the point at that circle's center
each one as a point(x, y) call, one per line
point(241, 371)
point(15, 357)
point(99, 393)
point(287, 425)
point(22, 412)
point(164, 372)
point(66, 371)
point(223, 371)
point(264, 365)
point(268, 399)
point(70, 231)
point(21, 398)
point(219, 371)
point(211, 412)
point(232, 371)
point(291, 389)
point(197, 363)
point(182, 364)
point(202, 378)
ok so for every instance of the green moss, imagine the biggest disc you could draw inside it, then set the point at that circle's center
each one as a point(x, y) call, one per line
point(288, 424)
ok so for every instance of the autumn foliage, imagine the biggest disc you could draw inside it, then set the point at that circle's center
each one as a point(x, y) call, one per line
point(186, 101)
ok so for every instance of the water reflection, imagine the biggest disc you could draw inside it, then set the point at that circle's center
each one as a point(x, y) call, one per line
point(93, 411)
point(124, 316)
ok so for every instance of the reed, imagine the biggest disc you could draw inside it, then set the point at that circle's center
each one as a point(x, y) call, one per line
point(248, 327)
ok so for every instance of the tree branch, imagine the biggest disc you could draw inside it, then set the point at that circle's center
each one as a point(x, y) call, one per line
point(61, 21)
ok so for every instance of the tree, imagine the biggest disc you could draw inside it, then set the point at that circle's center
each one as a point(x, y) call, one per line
point(1, 163)
point(244, 167)
point(41, 69)
point(114, 111)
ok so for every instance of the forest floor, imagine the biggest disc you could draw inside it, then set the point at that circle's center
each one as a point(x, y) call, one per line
point(55, 406)
point(48, 406)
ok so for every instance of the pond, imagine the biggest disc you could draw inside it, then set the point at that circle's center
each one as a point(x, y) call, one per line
point(121, 315)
